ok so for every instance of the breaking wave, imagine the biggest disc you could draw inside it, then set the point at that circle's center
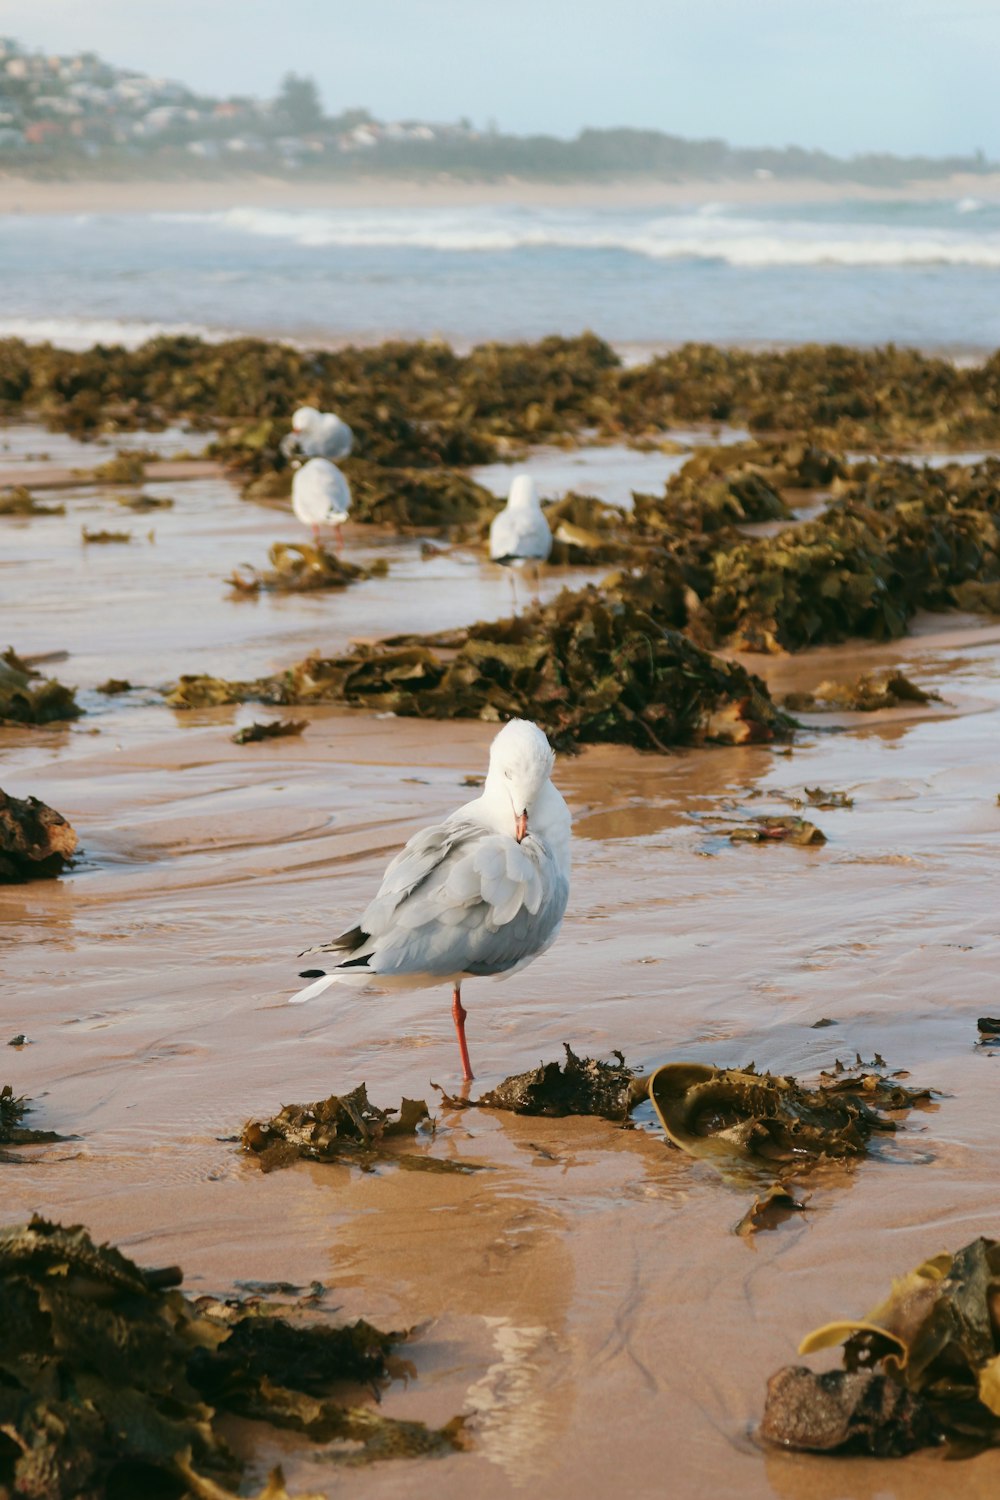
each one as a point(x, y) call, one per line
point(83, 333)
point(706, 236)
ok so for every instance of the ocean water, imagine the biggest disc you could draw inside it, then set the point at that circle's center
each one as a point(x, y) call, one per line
point(859, 272)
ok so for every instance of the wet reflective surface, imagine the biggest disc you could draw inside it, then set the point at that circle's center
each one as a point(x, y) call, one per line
point(584, 1301)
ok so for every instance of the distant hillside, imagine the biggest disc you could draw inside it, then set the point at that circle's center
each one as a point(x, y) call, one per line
point(77, 115)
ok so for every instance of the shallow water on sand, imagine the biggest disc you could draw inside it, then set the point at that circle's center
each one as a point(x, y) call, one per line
point(583, 1299)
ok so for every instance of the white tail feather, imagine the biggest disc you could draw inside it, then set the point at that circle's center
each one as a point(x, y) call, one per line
point(312, 990)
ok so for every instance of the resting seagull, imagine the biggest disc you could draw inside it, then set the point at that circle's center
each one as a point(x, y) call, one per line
point(317, 434)
point(520, 534)
point(321, 496)
point(482, 893)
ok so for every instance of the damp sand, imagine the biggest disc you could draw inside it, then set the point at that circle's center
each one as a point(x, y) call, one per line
point(584, 1300)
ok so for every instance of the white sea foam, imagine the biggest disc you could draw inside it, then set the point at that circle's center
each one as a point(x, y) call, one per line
point(83, 333)
point(736, 240)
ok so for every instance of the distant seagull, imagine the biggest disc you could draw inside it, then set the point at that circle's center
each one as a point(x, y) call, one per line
point(520, 534)
point(321, 496)
point(482, 893)
point(317, 434)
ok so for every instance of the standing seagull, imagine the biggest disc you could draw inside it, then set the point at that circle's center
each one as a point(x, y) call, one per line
point(317, 434)
point(520, 534)
point(482, 893)
point(321, 496)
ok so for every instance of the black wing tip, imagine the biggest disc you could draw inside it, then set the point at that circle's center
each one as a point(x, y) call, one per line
point(312, 973)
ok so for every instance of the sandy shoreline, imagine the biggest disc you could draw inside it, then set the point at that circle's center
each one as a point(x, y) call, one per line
point(583, 1300)
point(22, 195)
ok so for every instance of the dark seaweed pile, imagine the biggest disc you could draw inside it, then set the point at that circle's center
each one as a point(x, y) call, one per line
point(422, 404)
point(922, 1367)
point(26, 698)
point(113, 1385)
point(591, 666)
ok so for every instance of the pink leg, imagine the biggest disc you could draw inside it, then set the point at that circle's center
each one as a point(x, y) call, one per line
point(315, 536)
point(340, 538)
point(458, 1013)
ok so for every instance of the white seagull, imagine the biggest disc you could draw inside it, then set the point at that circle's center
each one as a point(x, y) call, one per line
point(321, 496)
point(482, 893)
point(520, 534)
point(318, 434)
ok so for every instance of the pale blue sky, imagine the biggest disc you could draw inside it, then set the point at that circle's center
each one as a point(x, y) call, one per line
point(844, 75)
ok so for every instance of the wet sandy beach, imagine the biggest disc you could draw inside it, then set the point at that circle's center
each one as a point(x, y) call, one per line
point(582, 1298)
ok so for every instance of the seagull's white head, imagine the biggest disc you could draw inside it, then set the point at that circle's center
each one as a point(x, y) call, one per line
point(522, 494)
point(521, 762)
point(303, 418)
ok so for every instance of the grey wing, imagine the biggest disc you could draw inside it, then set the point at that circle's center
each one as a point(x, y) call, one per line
point(486, 906)
point(338, 439)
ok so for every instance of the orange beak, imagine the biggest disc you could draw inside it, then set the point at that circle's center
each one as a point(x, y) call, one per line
point(520, 826)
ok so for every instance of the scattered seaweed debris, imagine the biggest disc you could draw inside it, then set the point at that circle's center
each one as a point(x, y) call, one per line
point(578, 1086)
point(276, 730)
point(36, 842)
point(989, 1030)
point(125, 468)
point(769, 829)
point(297, 568)
point(17, 500)
point(743, 1121)
point(22, 701)
point(142, 502)
point(593, 666)
point(772, 1207)
point(865, 694)
point(114, 686)
point(115, 1382)
point(818, 796)
point(933, 1346)
point(343, 1127)
point(12, 1112)
point(103, 538)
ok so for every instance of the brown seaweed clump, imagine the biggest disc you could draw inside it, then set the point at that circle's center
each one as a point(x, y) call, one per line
point(297, 568)
point(578, 1086)
point(342, 1127)
point(23, 701)
point(421, 404)
point(36, 842)
point(114, 1384)
point(923, 1366)
point(17, 500)
point(744, 1121)
point(897, 540)
point(13, 1131)
point(277, 729)
point(868, 692)
point(591, 666)
point(415, 499)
